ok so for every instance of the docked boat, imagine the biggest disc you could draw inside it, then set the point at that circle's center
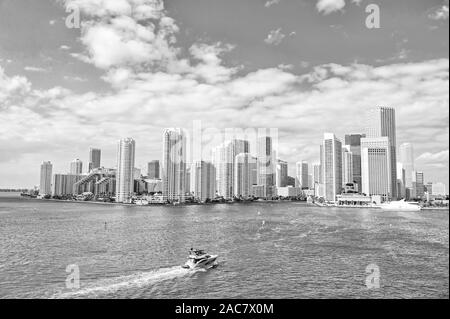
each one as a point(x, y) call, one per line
point(400, 205)
point(199, 259)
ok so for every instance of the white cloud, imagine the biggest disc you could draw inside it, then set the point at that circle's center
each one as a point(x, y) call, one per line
point(64, 47)
point(34, 69)
point(275, 37)
point(329, 6)
point(270, 3)
point(441, 13)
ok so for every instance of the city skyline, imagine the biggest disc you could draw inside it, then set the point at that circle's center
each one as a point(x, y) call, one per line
point(241, 73)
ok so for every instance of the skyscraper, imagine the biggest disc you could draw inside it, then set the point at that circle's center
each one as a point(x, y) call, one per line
point(76, 167)
point(406, 158)
point(95, 155)
point(153, 169)
point(376, 167)
point(244, 168)
point(331, 163)
point(125, 170)
point(382, 123)
point(418, 184)
point(316, 174)
point(401, 178)
point(347, 165)
point(353, 141)
point(45, 185)
point(281, 173)
point(224, 157)
point(203, 175)
point(301, 175)
point(173, 165)
point(266, 164)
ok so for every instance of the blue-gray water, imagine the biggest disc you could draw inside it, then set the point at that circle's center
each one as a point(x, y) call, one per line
point(278, 250)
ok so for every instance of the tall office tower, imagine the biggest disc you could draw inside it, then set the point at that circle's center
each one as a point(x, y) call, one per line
point(382, 124)
point(301, 175)
point(347, 165)
point(353, 141)
point(45, 185)
point(76, 167)
point(376, 167)
point(224, 157)
point(266, 164)
point(244, 169)
point(316, 174)
point(401, 179)
point(332, 166)
point(153, 169)
point(173, 165)
point(187, 187)
point(95, 155)
point(418, 184)
point(281, 173)
point(406, 158)
point(125, 170)
point(203, 176)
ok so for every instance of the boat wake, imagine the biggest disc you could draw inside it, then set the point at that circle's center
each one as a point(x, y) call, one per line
point(142, 279)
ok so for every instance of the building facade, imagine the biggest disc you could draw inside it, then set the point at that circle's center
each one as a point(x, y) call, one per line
point(331, 163)
point(125, 170)
point(76, 167)
point(45, 184)
point(244, 169)
point(173, 165)
point(153, 170)
point(95, 155)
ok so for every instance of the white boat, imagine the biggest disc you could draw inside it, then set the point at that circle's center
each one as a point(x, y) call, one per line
point(400, 205)
point(141, 202)
point(199, 259)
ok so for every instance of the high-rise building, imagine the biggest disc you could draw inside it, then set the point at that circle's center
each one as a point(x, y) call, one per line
point(347, 166)
point(203, 176)
point(95, 155)
point(401, 178)
point(376, 167)
point(301, 175)
point(331, 163)
point(406, 158)
point(353, 141)
point(173, 165)
point(76, 167)
point(382, 124)
point(266, 164)
point(316, 174)
point(224, 157)
point(153, 169)
point(418, 184)
point(244, 169)
point(63, 184)
point(125, 170)
point(281, 173)
point(45, 185)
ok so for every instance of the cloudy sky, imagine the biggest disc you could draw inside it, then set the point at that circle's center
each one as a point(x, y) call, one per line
point(137, 66)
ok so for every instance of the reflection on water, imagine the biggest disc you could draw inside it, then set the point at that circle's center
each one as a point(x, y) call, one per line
point(285, 250)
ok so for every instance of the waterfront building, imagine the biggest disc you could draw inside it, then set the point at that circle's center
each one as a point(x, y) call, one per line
point(173, 165)
point(376, 167)
point(153, 185)
point(45, 185)
point(353, 199)
point(245, 166)
point(382, 124)
point(281, 173)
point(99, 181)
point(347, 165)
point(401, 179)
point(95, 155)
point(418, 184)
point(153, 169)
point(125, 170)
point(224, 157)
point(301, 175)
point(289, 191)
point(353, 144)
point(266, 164)
point(63, 184)
point(76, 167)
point(203, 175)
point(331, 162)
point(259, 191)
point(406, 158)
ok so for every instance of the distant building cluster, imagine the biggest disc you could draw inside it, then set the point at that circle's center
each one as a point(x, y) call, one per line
point(363, 169)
